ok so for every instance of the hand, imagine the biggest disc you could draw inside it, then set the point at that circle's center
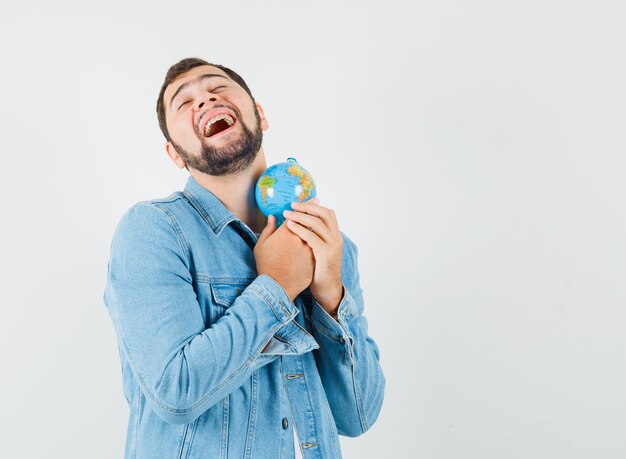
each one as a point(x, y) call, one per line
point(317, 226)
point(284, 257)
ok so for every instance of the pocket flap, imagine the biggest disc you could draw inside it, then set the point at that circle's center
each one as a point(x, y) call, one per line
point(225, 294)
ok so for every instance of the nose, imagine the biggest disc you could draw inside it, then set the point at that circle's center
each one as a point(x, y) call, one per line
point(203, 99)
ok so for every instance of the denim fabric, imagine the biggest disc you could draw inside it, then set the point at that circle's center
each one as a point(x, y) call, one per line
point(192, 319)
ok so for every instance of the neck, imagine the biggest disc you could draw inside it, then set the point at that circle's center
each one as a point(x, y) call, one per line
point(236, 192)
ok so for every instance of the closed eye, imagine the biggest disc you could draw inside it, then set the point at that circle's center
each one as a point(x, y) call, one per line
point(187, 101)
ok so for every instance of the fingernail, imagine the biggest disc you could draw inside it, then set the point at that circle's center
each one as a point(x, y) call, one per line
point(287, 212)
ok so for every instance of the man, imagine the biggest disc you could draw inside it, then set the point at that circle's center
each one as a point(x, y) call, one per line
point(237, 339)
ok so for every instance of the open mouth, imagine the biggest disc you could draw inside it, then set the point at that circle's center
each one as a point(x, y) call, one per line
point(217, 124)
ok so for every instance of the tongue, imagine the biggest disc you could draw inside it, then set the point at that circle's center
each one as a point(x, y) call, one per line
point(218, 126)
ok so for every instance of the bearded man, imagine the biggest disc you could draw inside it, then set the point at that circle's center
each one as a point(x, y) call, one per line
point(237, 339)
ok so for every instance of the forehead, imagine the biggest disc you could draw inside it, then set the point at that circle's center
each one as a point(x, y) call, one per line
point(188, 76)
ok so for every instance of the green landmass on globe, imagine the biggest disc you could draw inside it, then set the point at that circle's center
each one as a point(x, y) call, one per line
point(265, 182)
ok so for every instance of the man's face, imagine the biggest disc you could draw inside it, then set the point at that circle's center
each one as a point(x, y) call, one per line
point(214, 125)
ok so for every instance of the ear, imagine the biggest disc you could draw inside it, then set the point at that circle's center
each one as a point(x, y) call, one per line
point(264, 124)
point(174, 156)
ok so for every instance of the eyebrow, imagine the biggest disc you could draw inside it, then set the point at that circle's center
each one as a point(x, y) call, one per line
point(195, 80)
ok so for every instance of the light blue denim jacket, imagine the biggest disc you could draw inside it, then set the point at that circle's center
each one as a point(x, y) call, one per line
point(192, 318)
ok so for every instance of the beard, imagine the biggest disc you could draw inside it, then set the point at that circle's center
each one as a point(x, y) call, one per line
point(230, 159)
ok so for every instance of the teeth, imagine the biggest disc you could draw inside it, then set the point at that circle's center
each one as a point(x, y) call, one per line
point(222, 116)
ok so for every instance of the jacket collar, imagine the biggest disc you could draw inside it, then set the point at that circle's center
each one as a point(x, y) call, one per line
point(209, 206)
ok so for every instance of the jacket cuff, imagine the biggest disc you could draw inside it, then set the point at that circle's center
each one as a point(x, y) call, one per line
point(275, 297)
point(335, 330)
point(291, 338)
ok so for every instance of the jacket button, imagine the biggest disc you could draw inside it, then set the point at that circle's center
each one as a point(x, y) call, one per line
point(285, 423)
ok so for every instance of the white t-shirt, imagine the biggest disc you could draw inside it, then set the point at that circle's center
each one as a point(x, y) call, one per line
point(296, 443)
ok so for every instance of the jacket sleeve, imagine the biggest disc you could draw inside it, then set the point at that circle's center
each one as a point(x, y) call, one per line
point(348, 359)
point(182, 367)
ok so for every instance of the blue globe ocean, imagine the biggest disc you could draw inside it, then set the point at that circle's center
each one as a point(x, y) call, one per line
point(282, 184)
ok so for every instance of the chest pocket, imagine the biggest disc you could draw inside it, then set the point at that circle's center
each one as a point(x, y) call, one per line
point(225, 294)
point(222, 297)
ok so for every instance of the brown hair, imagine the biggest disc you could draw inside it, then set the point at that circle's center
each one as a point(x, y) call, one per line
point(176, 71)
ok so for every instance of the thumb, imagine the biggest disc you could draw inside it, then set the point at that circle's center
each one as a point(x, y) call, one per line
point(269, 229)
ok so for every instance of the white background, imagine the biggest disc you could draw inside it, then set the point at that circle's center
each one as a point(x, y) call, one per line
point(474, 151)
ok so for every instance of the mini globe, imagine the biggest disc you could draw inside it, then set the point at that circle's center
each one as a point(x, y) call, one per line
point(282, 184)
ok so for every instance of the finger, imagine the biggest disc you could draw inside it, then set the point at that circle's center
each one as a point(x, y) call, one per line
point(311, 222)
point(269, 229)
point(327, 215)
point(307, 236)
